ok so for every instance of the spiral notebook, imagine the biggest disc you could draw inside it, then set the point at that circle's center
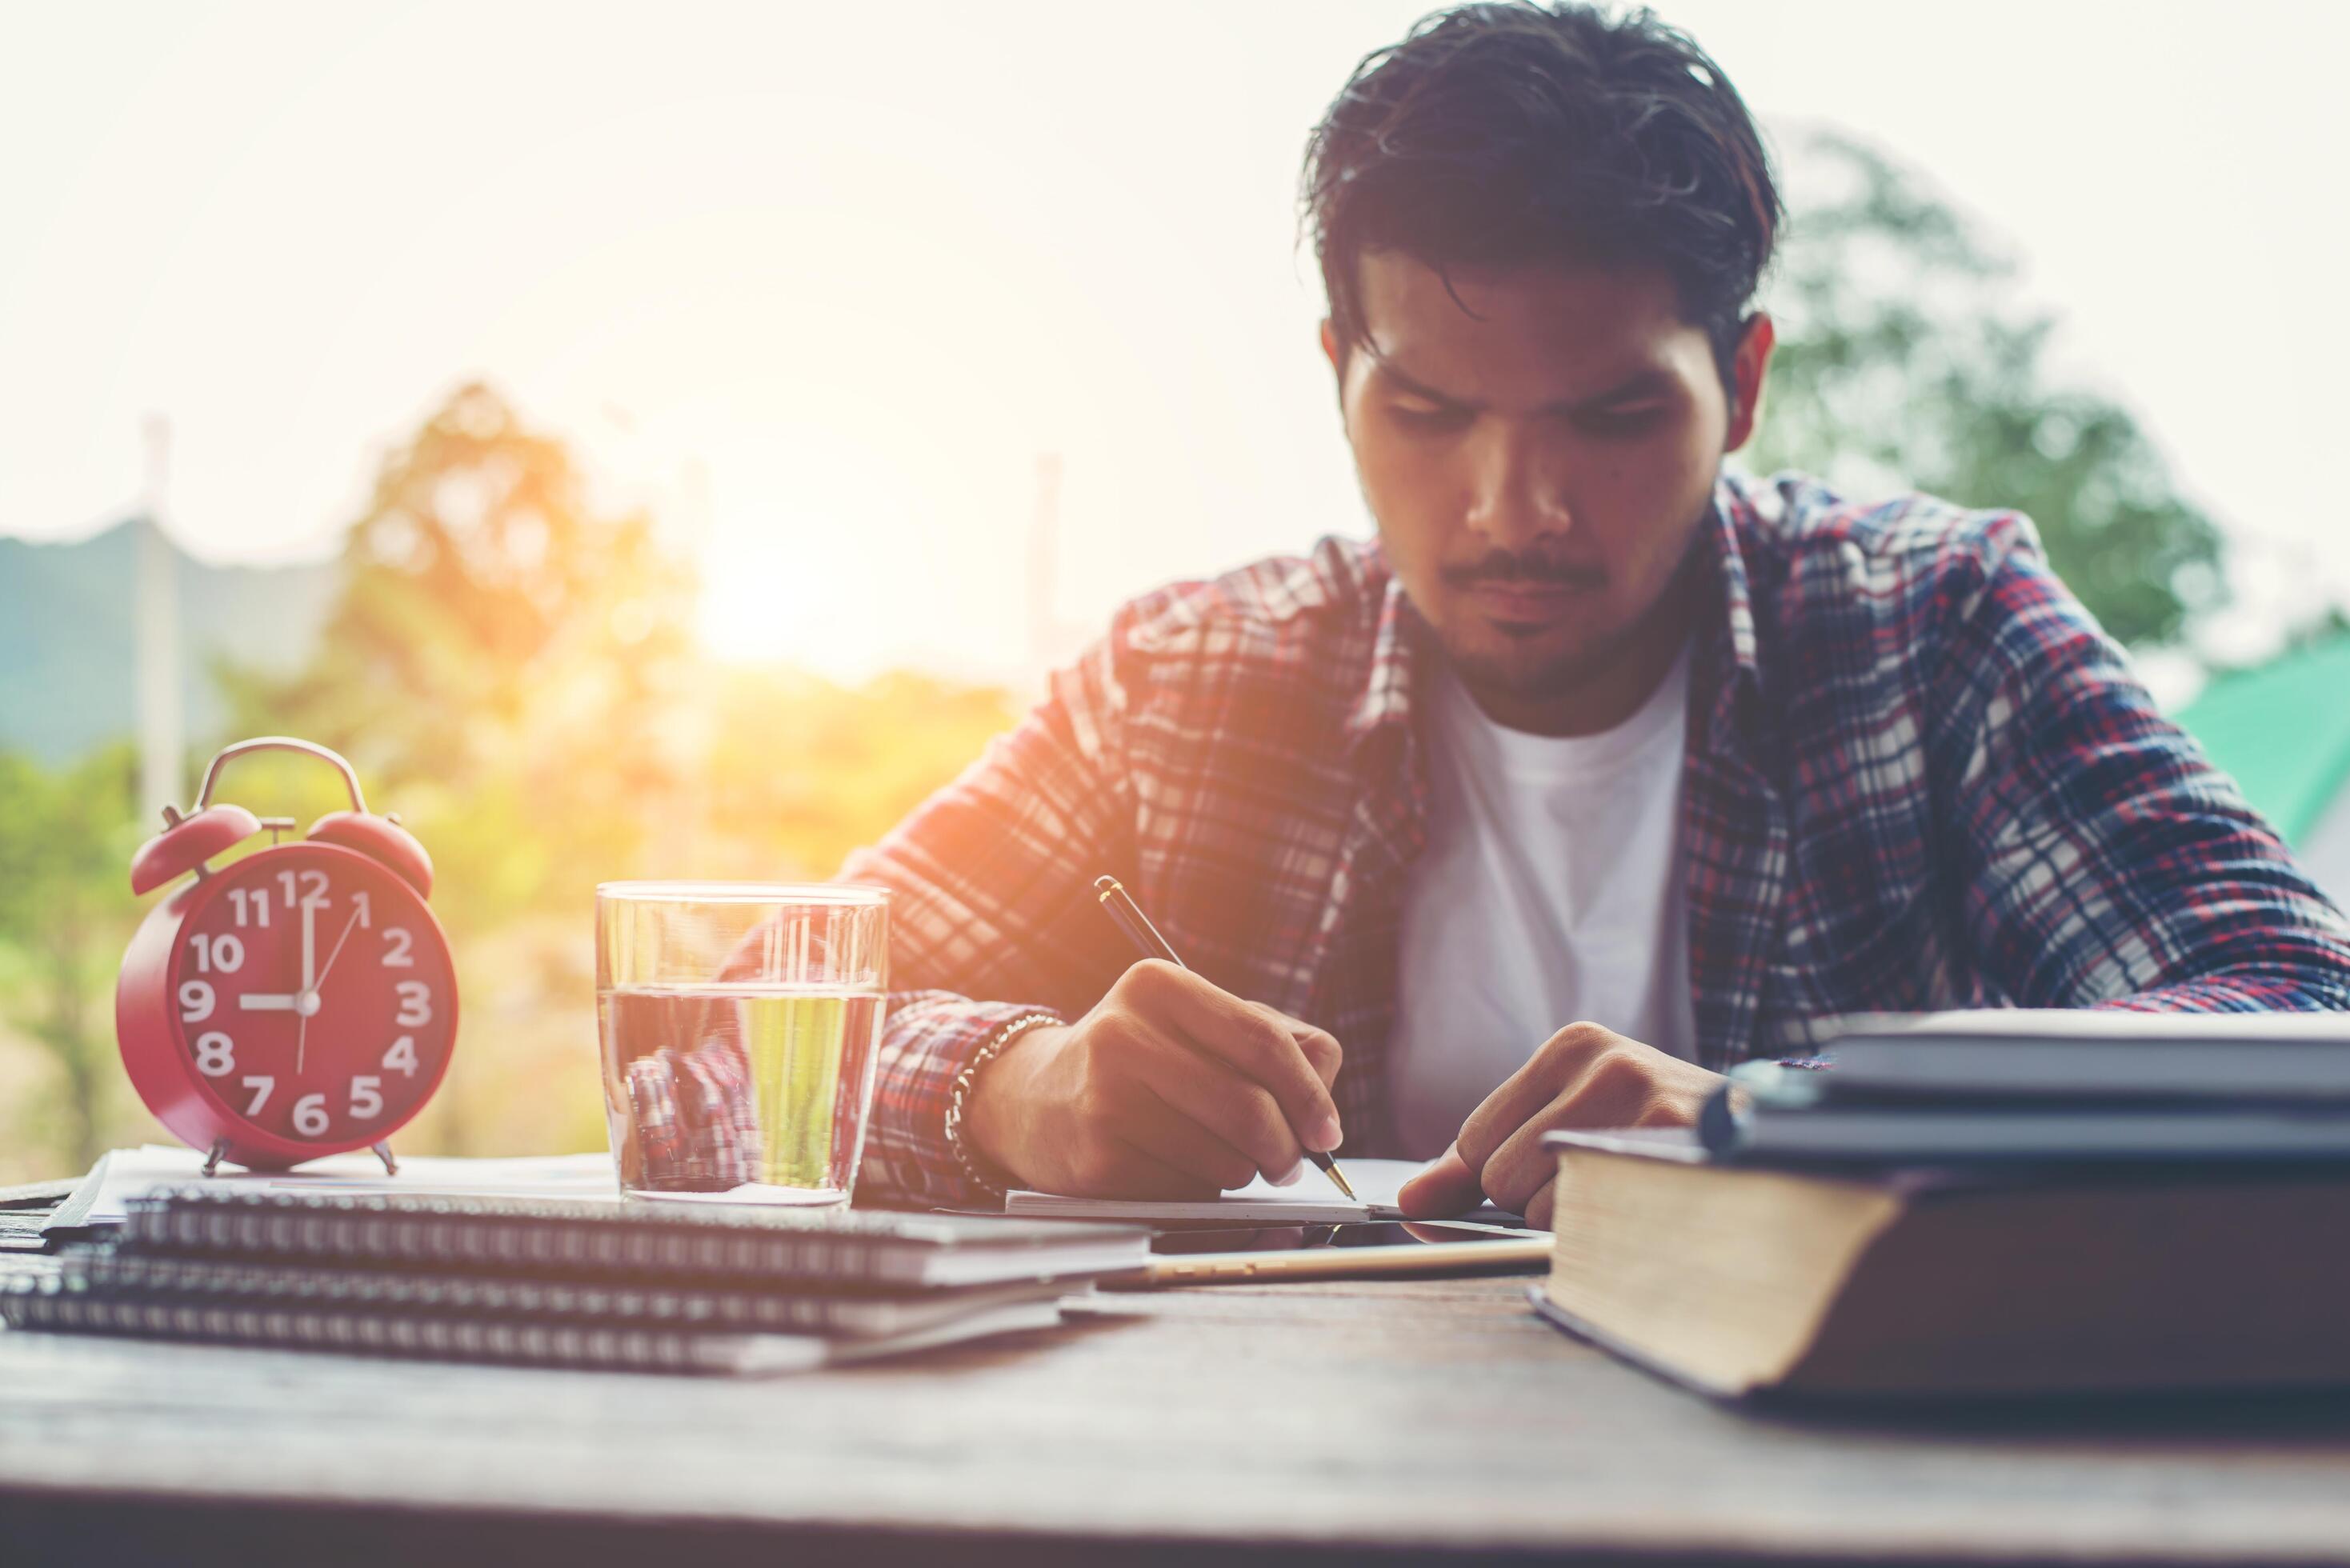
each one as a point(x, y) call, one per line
point(651, 1286)
point(125, 1273)
point(61, 1304)
point(586, 1239)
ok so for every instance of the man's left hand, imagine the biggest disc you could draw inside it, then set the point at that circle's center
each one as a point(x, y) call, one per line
point(1584, 1076)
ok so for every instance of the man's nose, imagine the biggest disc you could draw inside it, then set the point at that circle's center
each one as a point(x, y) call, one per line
point(1513, 493)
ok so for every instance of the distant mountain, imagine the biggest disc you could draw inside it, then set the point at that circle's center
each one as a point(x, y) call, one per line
point(68, 650)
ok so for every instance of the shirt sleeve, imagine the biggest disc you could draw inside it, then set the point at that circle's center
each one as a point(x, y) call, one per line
point(992, 914)
point(2106, 862)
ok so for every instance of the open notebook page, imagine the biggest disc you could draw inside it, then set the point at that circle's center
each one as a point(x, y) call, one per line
point(1313, 1200)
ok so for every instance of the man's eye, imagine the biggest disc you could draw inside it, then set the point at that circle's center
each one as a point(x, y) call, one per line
point(1430, 419)
point(1621, 421)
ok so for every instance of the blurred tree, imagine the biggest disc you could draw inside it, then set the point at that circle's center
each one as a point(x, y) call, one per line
point(1904, 362)
point(66, 915)
point(503, 664)
point(802, 770)
point(508, 667)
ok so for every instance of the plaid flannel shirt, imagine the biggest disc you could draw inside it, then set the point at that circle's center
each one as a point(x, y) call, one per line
point(1918, 775)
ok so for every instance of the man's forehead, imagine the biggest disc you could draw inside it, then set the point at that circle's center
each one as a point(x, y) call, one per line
point(1542, 333)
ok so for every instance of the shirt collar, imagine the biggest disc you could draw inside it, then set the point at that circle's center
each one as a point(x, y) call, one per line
point(1384, 705)
point(1731, 675)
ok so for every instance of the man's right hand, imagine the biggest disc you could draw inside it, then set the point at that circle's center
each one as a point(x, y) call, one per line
point(1169, 1089)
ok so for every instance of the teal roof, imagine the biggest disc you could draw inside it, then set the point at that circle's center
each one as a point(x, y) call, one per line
point(2283, 732)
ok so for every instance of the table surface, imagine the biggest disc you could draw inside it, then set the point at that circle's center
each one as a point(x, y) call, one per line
point(1281, 1421)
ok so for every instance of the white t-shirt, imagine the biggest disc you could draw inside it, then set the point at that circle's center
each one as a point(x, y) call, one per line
point(1550, 891)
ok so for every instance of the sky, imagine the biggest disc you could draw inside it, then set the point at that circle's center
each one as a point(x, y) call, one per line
point(817, 283)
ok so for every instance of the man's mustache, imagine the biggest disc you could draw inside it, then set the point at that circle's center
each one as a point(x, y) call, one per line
point(1512, 567)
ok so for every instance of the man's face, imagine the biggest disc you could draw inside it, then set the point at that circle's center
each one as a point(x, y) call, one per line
point(1539, 468)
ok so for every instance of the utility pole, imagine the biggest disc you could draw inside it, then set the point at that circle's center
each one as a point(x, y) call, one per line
point(681, 835)
point(1044, 570)
point(155, 627)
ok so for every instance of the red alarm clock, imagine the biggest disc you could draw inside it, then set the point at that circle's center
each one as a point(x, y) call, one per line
point(298, 1002)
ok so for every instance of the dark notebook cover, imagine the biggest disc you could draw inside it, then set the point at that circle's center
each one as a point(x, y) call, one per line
point(121, 1273)
point(557, 1238)
point(55, 1305)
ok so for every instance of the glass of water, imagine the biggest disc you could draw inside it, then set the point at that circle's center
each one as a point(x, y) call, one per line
point(739, 1022)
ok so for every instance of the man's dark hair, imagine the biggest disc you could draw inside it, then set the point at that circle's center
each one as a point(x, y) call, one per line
point(1511, 134)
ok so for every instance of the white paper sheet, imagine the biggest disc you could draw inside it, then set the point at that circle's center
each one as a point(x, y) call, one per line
point(131, 1172)
point(1314, 1199)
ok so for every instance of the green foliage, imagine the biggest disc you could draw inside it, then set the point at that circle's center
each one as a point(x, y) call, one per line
point(66, 915)
point(801, 771)
point(1903, 361)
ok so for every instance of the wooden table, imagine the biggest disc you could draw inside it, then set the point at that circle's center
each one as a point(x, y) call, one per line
point(1336, 1422)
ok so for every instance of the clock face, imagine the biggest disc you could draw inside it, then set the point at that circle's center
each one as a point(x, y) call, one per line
point(312, 994)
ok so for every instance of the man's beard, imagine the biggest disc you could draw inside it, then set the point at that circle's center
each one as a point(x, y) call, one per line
point(1570, 669)
point(1556, 676)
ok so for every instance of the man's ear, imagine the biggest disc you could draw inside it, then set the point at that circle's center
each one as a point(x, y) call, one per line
point(1748, 366)
point(1330, 351)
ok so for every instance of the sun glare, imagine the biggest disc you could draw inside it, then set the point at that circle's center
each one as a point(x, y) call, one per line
point(768, 594)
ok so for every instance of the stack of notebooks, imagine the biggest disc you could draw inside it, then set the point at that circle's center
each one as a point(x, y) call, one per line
point(1983, 1204)
point(646, 1287)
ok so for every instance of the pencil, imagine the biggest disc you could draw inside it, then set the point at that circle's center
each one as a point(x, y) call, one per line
point(1129, 918)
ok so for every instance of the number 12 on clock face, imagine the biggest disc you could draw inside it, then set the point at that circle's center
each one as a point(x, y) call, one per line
point(313, 995)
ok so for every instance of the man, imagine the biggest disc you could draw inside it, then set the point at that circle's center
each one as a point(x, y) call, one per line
point(1598, 771)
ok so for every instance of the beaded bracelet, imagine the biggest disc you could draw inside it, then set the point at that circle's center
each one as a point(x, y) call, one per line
point(956, 1145)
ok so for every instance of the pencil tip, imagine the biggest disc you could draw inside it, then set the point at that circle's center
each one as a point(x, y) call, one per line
point(1340, 1178)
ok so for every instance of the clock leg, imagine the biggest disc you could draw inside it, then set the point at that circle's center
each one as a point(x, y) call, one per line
point(383, 1153)
point(211, 1160)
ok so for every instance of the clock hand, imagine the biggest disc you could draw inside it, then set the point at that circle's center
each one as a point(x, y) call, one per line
point(254, 1002)
point(307, 1003)
point(313, 989)
point(309, 944)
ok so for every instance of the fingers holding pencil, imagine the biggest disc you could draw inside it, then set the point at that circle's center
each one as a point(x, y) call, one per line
point(1316, 1128)
point(1258, 1042)
point(1163, 1081)
point(1168, 1080)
